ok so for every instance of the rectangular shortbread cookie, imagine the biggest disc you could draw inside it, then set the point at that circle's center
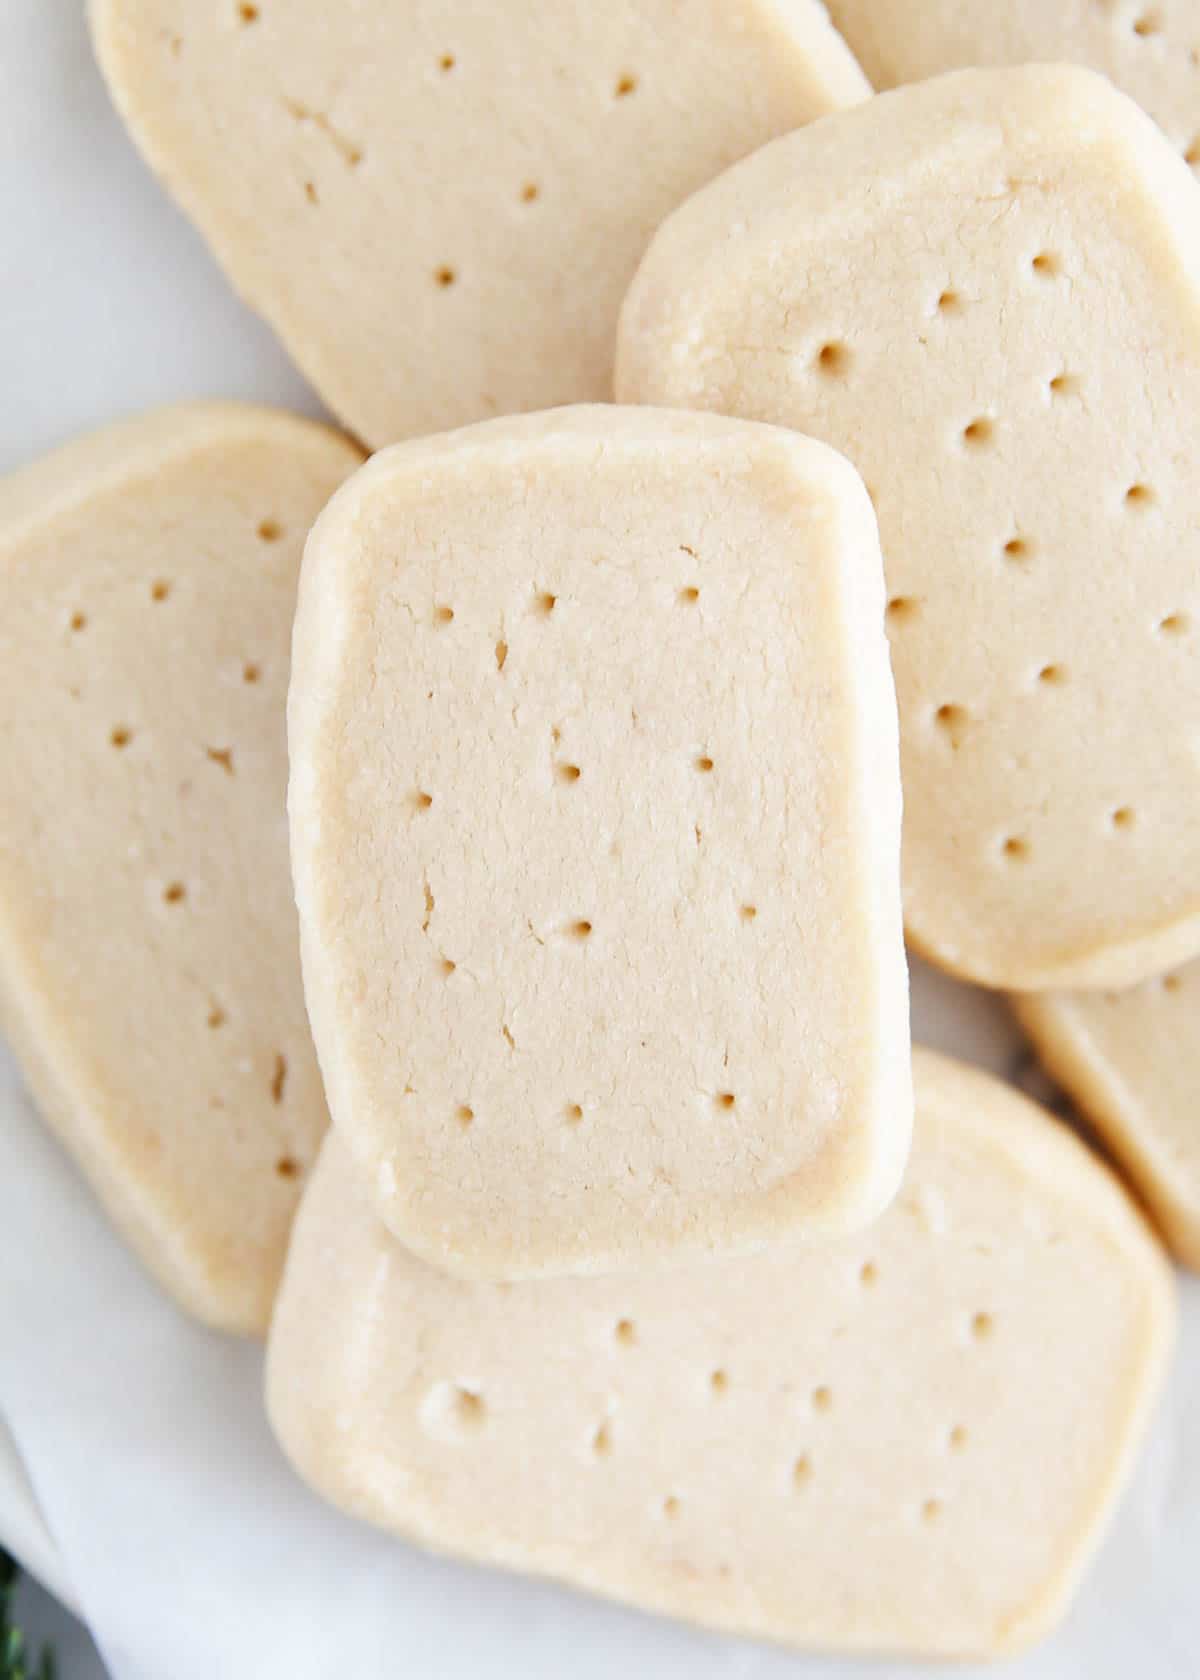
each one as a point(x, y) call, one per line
point(985, 291)
point(438, 206)
point(149, 966)
point(595, 831)
point(906, 1442)
point(1131, 1060)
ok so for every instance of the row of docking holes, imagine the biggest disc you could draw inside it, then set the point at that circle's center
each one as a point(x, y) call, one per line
point(352, 153)
point(216, 1018)
point(174, 893)
point(542, 605)
point(268, 531)
point(577, 931)
point(834, 358)
point(121, 735)
point(420, 800)
point(573, 1113)
point(287, 1166)
point(250, 12)
point(462, 1413)
point(953, 722)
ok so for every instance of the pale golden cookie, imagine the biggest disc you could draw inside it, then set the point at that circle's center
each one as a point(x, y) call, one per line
point(595, 814)
point(438, 206)
point(907, 1442)
point(985, 290)
point(149, 967)
point(1131, 1060)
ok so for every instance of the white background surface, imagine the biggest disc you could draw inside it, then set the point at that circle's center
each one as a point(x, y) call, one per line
point(193, 1552)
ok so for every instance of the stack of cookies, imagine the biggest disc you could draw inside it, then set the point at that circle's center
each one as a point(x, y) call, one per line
point(527, 801)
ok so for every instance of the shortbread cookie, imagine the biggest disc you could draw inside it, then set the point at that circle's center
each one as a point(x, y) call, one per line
point(149, 966)
point(1131, 1060)
point(1149, 51)
point(985, 290)
point(595, 815)
point(906, 1442)
point(439, 206)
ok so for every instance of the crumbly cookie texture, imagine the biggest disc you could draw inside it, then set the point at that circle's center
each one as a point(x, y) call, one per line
point(909, 1441)
point(438, 207)
point(149, 962)
point(595, 814)
point(985, 290)
point(1150, 52)
point(1131, 1061)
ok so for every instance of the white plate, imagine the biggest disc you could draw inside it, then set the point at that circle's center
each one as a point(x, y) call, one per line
point(162, 1506)
point(23, 1531)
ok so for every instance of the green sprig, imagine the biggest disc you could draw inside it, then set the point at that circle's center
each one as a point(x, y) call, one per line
point(14, 1651)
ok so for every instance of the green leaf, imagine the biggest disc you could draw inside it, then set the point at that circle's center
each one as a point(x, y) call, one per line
point(14, 1653)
